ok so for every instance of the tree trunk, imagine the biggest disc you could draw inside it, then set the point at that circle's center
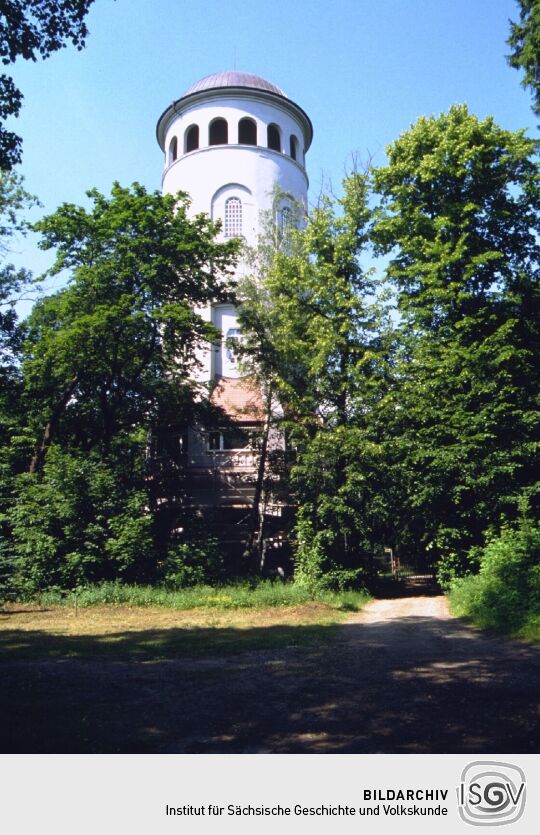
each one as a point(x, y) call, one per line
point(51, 427)
point(255, 538)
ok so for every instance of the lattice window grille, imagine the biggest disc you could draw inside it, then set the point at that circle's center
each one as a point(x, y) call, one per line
point(233, 217)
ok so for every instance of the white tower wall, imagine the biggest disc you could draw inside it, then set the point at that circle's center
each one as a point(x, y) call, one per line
point(207, 171)
point(244, 174)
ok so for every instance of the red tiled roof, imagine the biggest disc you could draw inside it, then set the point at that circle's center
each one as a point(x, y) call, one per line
point(240, 399)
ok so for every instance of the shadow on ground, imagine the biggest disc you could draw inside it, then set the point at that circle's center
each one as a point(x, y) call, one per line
point(408, 685)
point(157, 643)
point(393, 588)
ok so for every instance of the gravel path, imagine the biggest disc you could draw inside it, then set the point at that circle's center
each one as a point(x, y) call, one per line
point(403, 676)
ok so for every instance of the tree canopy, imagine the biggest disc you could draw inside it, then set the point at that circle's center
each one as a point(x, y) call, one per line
point(418, 431)
point(32, 29)
point(124, 331)
point(459, 214)
point(318, 330)
point(14, 200)
point(105, 361)
point(524, 41)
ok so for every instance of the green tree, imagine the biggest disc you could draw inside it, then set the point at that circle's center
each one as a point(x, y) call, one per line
point(30, 29)
point(317, 330)
point(524, 41)
point(82, 521)
point(114, 347)
point(258, 352)
point(14, 200)
point(107, 366)
point(459, 212)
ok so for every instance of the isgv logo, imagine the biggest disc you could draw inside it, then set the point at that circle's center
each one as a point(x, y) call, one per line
point(491, 793)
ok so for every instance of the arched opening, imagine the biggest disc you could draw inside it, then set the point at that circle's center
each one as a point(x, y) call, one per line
point(294, 147)
point(191, 140)
point(173, 149)
point(232, 227)
point(247, 132)
point(218, 133)
point(274, 138)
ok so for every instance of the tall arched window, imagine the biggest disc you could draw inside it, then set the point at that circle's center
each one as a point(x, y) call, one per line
point(219, 132)
point(191, 139)
point(173, 149)
point(247, 132)
point(285, 221)
point(294, 147)
point(233, 218)
point(273, 138)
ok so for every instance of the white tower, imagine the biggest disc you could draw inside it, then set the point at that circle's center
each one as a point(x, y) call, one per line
point(228, 142)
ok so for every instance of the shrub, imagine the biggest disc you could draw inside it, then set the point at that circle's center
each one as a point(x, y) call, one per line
point(505, 594)
point(310, 554)
point(261, 594)
point(76, 524)
point(191, 563)
point(315, 565)
point(451, 566)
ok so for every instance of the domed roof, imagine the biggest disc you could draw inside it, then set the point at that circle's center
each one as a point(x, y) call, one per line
point(233, 78)
point(212, 87)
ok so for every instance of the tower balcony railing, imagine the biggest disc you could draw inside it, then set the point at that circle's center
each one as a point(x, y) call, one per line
point(233, 458)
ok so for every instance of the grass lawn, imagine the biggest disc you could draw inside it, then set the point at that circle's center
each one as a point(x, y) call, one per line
point(135, 632)
point(119, 677)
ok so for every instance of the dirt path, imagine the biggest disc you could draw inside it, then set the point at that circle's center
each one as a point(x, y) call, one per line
point(402, 677)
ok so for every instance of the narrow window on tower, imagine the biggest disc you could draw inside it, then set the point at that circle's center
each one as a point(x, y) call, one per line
point(274, 138)
point(191, 139)
point(173, 149)
point(247, 132)
point(285, 221)
point(219, 132)
point(231, 339)
point(294, 147)
point(286, 224)
point(233, 217)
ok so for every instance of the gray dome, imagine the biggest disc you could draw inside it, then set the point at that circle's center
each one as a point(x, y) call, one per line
point(233, 78)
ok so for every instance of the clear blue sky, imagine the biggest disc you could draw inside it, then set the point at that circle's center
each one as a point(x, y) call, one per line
point(364, 70)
